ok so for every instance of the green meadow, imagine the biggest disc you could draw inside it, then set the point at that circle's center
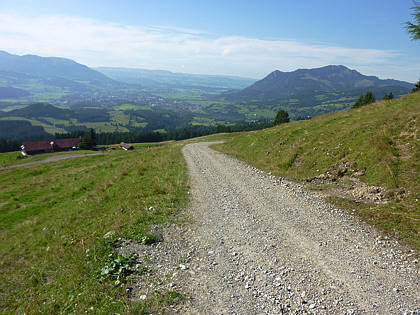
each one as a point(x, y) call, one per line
point(53, 218)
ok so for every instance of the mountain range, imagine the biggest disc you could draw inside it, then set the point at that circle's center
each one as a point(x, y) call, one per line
point(27, 79)
point(123, 99)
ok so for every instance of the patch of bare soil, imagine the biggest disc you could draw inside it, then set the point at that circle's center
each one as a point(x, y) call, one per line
point(161, 266)
point(343, 180)
point(407, 138)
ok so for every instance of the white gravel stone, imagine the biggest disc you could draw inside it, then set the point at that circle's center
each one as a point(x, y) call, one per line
point(254, 245)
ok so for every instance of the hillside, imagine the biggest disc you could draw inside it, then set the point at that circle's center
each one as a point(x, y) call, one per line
point(53, 221)
point(29, 78)
point(329, 78)
point(365, 159)
point(47, 67)
point(42, 120)
point(9, 92)
point(310, 92)
point(38, 110)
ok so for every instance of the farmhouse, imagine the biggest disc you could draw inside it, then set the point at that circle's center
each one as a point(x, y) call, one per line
point(43, 146)
point(126, 146)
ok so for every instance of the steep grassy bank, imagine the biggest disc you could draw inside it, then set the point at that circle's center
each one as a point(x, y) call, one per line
point(53, 218)
point(380, 139)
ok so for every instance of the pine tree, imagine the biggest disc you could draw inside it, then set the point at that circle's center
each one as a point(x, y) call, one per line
point(88, 140)
point(369, 98)
point(365, 99)
point(92, 136)
point(281, 117)
point(388, 96)
point(85, 143)
point(359, 102)
point(416, 87)
point(414, 28)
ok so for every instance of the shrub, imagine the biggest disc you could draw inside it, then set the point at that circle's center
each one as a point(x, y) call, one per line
point(365, 99)
point(416, 87)
point(388, 96)
point(281, 117)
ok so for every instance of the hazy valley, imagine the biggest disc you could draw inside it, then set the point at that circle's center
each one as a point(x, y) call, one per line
point(136, 100)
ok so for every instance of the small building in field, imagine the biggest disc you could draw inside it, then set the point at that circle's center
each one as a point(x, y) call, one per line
point(126, 146)
point(43, 146)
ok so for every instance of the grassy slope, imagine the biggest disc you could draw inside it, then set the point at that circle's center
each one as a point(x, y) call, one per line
point(53, 218)
point(47, 127)
point(381, 138)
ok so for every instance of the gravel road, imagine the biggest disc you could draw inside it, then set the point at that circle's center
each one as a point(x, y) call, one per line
point(259, 244)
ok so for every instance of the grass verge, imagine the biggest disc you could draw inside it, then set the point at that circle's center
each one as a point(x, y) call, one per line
point(53, 218)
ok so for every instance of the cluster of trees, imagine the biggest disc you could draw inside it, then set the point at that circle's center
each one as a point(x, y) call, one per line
point(388, 96)
point(9, 145)
point(281, 117)
point(416, 87)
point(90, 138)
point(365, 99)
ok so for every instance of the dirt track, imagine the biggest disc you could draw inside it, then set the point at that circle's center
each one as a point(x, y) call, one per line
point(261, 244)
point(258, 244)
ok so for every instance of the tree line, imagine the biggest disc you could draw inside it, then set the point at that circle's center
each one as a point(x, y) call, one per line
point(91, 138)
point(9, 145)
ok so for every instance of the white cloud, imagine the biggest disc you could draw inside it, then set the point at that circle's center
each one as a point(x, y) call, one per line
point(99, 43)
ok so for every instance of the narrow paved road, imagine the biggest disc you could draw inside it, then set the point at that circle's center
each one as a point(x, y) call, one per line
point(260, 244)
point(51, 159)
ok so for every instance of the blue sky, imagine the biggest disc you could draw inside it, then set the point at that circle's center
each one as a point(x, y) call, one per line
point(246, 38)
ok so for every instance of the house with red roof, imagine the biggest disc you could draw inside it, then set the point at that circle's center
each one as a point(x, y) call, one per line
point(43, 146)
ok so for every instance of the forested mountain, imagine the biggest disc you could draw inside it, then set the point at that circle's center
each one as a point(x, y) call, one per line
point(10, 92)
point(38, 110)
point(40, 119)
point(50, 67)
point(329, 78)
